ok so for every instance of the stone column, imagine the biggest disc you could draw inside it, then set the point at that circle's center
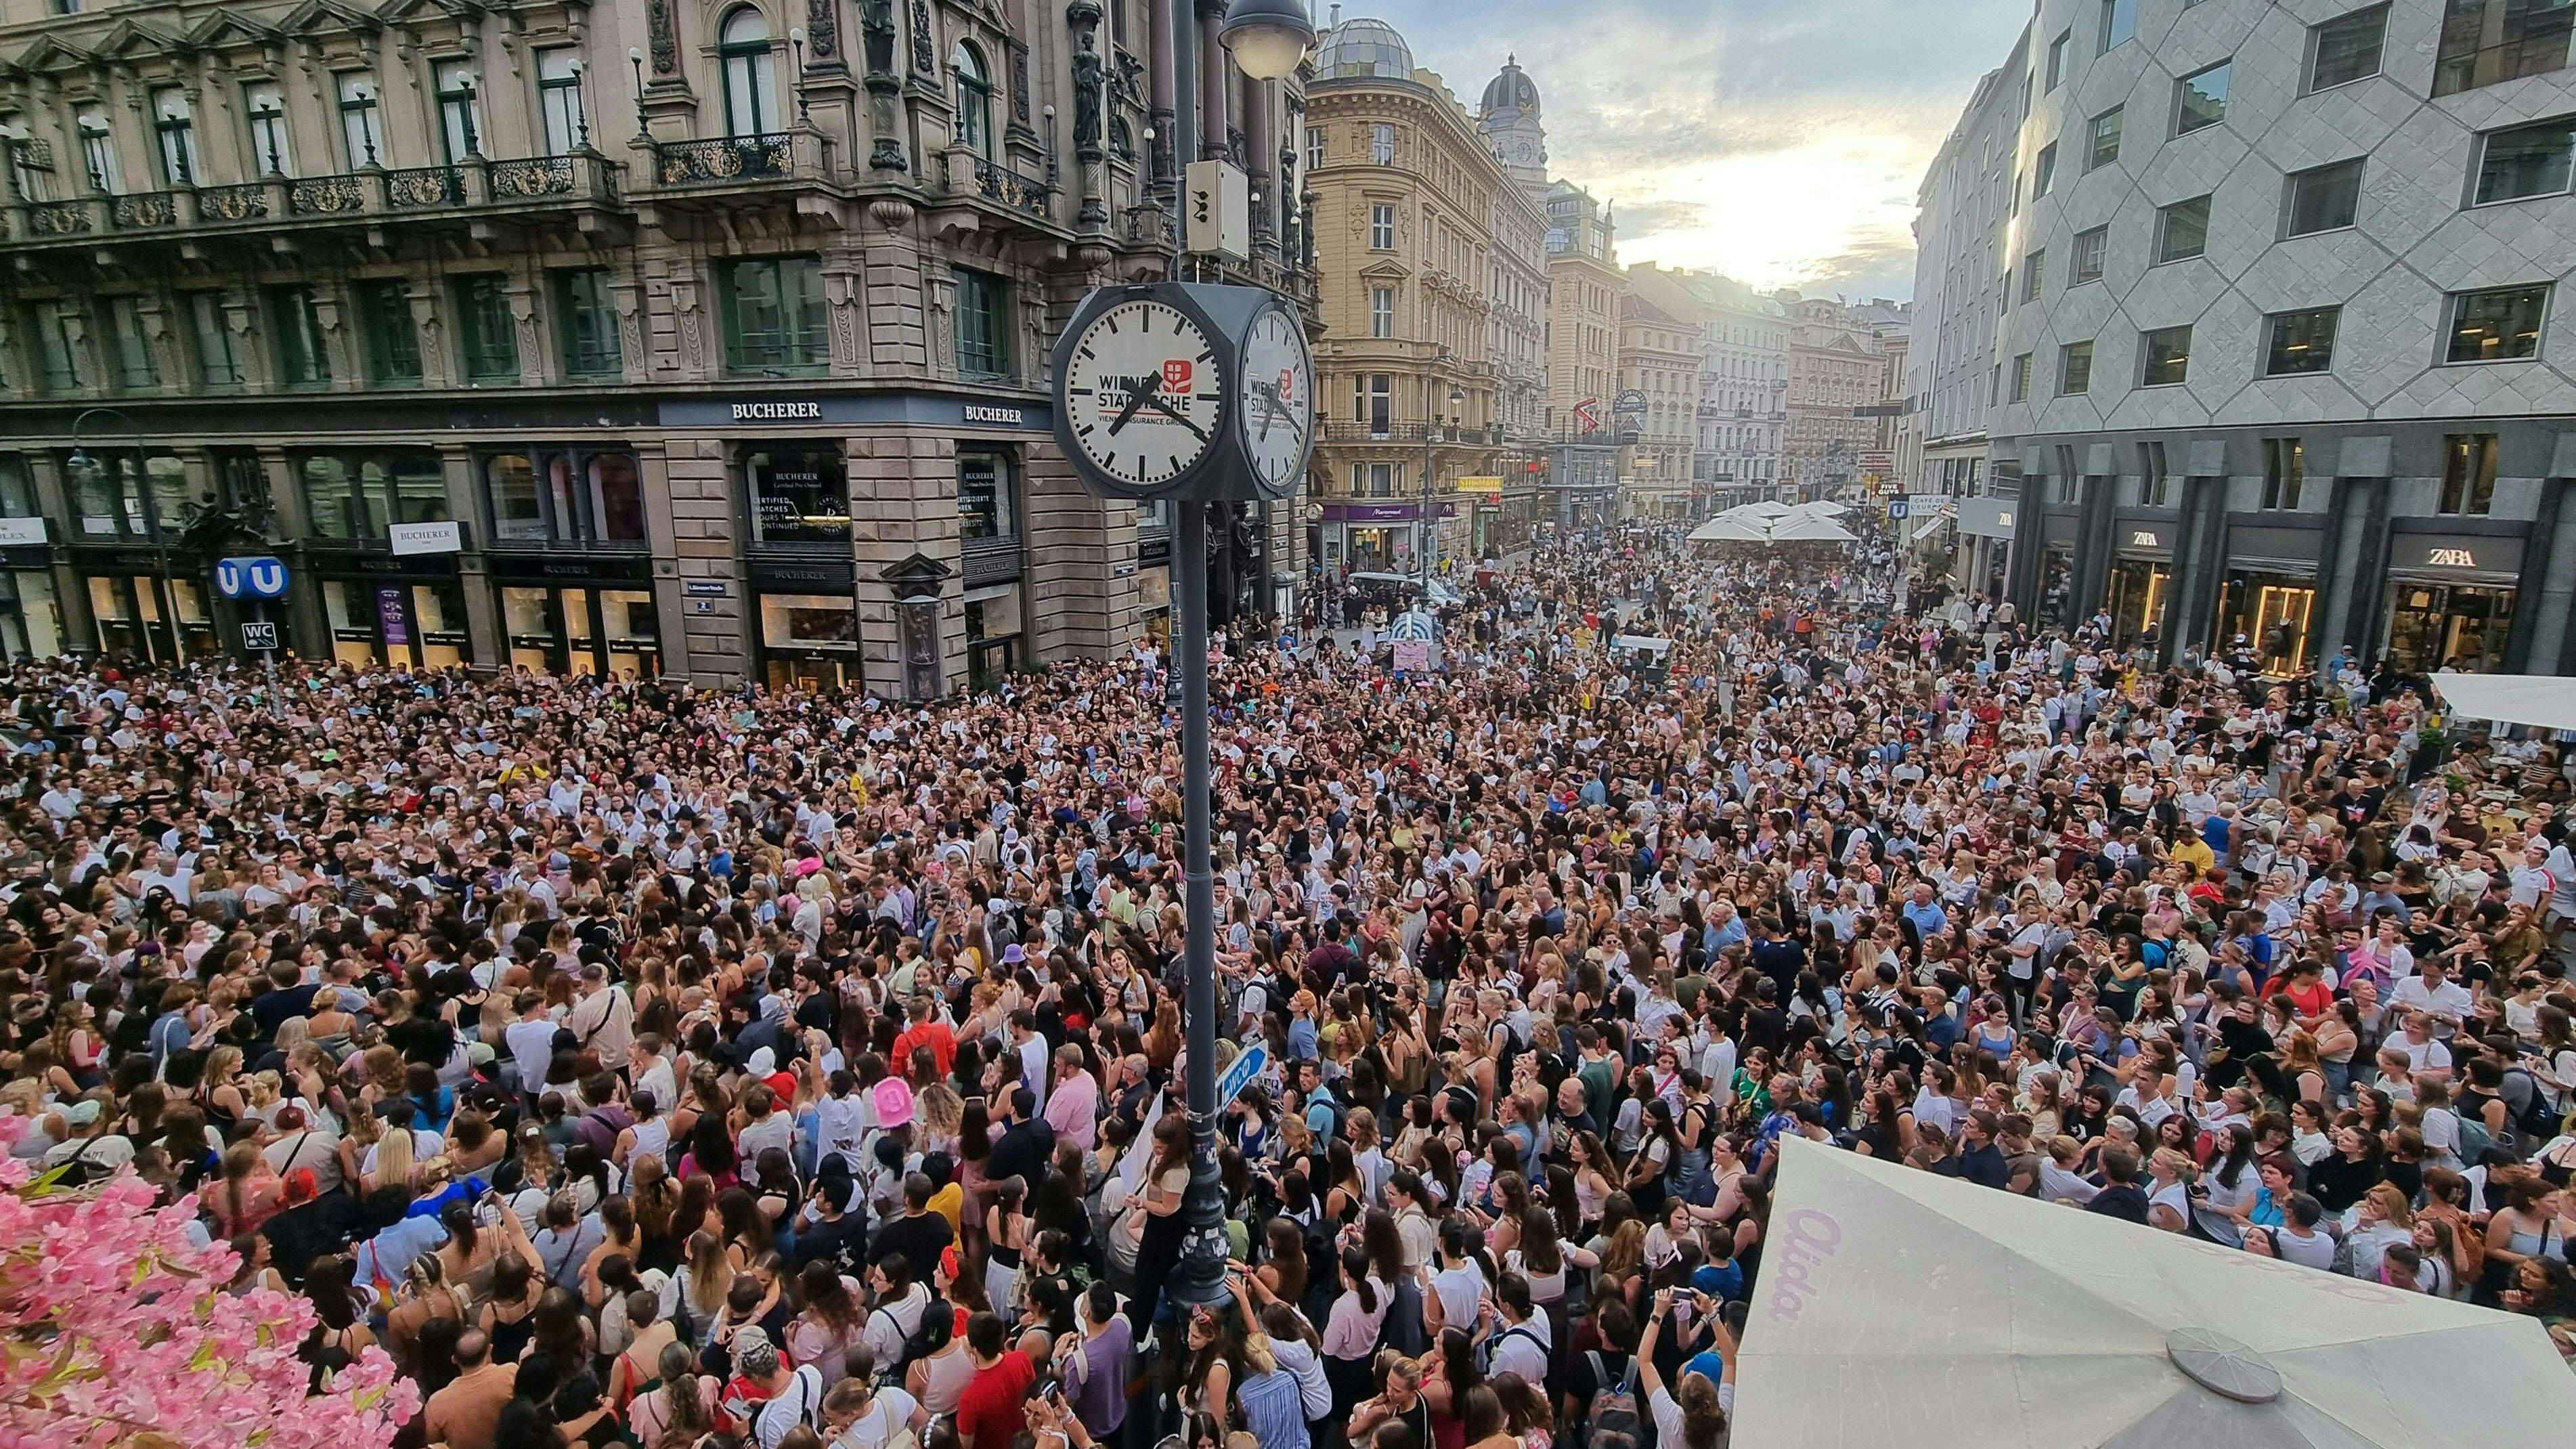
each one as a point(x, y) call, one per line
point(690, 503)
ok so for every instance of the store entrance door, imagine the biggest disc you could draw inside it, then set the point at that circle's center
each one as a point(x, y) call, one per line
point(2448, 626)
point(2140, 589)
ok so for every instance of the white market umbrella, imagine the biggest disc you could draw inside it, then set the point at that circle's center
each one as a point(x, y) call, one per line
point(1767, 508)
point(1811, 530)
point(2546, 701)
point(1901, 1307)
point(1822, 508)
point(1730, 530)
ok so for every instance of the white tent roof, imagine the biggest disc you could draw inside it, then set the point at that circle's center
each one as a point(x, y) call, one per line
point(1767, 508)
point(1810, 530)
point(1898, 1306)
point(1822, 508)
point(2547, 701)
point(1726, 529)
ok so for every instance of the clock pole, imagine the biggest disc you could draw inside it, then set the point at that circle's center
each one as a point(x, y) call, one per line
point(1201, 1277)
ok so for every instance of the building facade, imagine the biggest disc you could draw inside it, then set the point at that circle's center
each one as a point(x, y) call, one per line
point(1405, 190)
point(1657, 409)
point(1585, 286)
point(1966, 202)
point(706, 337)
point(2281, 358)
point(1835, 371)
point(1509, 119)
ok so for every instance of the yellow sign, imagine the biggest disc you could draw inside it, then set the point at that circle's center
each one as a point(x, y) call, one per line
point(1480, 485)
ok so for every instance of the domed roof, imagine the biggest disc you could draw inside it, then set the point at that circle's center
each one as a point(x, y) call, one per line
point(1363, 48)
point(1512, 90)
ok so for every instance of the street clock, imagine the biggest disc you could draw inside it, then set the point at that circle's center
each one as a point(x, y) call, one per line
point(1184, 391)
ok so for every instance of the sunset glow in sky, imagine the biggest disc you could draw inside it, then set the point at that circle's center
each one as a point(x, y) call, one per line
point(1777, 141)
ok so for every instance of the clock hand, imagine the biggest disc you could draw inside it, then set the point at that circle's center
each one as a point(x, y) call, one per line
point(1155, 401)
point(1270, 395)
point(1137, 392)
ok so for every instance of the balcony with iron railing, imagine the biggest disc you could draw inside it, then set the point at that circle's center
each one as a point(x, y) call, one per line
point(474, 188)
point(710, 165)
point(1394, 432)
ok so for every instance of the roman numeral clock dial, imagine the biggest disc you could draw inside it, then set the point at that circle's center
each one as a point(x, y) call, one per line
point(1144, 392)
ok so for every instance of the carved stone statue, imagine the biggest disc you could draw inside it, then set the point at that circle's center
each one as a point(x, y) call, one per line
point(876, 23)
point(1087, 89)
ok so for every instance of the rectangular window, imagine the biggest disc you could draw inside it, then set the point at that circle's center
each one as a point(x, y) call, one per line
point(361, 119)
point(2323, 199)
point(174, 126)
point(1314, 147)
point(2525, 161)
point(2498, 326)
point(2200, 99)
point(2165, 356)
point(2090, 248)
point(2045, 172)
point(2104, 145)
point(2182, 230)
point(559, 98)
point(2057, 58)
point(2153, 483)
point(460, 118)
point(264, 106)
point(2486, 42)
point(985, 506)
point(2119, 23)
point(2468, 472)
point(798, 496)
point(1381, 311)
point(983, 324)
point(132, 351)
point(2034, 271)
point(392, 337)
point(2346, 48)
point(2285, 472)
point(98, 148)
point(49, 328)
point(773, 316)
point(296, 331)
point(487, 337)
point(210, 341)
point(586, 323)
point(2021, 378)
point(1373, 402)
point(2074, 368)
point(2300, 342)
point(1382, 143)
point(1382, 226)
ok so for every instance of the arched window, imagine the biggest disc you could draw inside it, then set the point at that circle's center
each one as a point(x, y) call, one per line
point(974, 100)
point(750, 73)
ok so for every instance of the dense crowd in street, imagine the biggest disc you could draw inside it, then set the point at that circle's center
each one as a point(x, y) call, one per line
point(675, 1067)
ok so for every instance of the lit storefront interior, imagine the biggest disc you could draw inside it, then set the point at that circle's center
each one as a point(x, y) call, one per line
point(2277, 615)
point(556, 630)
point(809, 641)
point(418, 625)
point(2140, 591)
point(2448, 626)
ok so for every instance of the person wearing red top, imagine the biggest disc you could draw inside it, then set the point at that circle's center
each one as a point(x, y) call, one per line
point(993, 1407)
point(925, 1031)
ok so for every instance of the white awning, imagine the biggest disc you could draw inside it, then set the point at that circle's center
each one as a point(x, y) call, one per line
point(1902, 1307)
point(2545, 700)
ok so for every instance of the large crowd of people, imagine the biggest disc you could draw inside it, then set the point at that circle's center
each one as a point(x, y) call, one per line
point(696, 1068)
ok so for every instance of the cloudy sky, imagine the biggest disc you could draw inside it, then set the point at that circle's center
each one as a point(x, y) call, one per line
point(1779, 141)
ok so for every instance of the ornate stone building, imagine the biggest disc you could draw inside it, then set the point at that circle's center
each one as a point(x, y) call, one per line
point(1405, 191)
point(700, 336)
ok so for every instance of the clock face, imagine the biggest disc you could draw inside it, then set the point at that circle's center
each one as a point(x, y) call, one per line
point(1144, 395)
point(1276, 401)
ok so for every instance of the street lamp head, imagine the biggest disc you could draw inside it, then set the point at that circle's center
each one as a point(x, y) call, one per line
point(1268, 37)
point(635, 53)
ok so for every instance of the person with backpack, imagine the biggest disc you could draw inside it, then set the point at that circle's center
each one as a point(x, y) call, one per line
point(1599, 1407)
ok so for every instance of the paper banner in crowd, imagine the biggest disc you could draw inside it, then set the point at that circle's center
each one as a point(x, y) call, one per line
point(1131, 1168)
point(1412, 655)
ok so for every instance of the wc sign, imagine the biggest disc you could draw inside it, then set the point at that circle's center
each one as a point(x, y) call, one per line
point(258, 576)
point(2450, 558)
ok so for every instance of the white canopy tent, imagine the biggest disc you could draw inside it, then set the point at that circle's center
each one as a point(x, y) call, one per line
point(2545, 700)
point(1811, 530)
point(1900, 1307)
point(1767, 508)
point(1731, 530)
